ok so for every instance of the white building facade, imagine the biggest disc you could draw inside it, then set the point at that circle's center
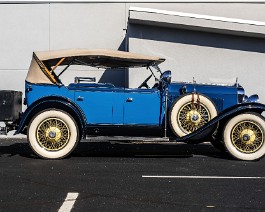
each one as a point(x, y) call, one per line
point(211, 42)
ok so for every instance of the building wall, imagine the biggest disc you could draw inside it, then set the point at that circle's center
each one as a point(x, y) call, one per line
point(205, 57)
point(208, 57)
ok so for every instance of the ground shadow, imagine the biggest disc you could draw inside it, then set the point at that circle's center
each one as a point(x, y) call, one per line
point(110, 149)
point(14, 149)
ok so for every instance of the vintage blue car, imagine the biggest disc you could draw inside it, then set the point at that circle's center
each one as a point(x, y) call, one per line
point(58, 116)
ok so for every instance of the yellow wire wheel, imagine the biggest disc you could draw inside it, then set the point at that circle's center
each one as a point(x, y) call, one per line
point(247, 136)
point(53, 134)
point(191, 112)
point(192, 116)
point(244, 136)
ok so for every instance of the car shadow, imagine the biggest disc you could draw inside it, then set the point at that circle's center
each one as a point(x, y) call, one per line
point(110, 149)
point(146, 150)
point(14, 149)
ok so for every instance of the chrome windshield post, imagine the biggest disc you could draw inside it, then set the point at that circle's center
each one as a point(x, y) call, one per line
point(166, 99)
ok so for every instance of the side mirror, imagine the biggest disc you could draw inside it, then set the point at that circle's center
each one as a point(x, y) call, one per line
point(166, 77)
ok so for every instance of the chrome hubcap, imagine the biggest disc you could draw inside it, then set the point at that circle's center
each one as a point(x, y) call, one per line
point(246, 137)
point(52, 134)
point(194, 116)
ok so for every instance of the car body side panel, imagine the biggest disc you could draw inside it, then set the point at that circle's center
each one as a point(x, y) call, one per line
point(102, 105)
point(97, 105)
point(57, 102)
point(38, 91)
point(119, 106)
point(142, 107)
point(107, 106)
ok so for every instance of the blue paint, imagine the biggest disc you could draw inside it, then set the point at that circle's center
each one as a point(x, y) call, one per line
point(62, 104)
point(33, 92)
point(223, 96)
point(104, 104)
point(145, 107)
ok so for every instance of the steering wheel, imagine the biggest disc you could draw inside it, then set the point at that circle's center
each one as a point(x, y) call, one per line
point(144, 83)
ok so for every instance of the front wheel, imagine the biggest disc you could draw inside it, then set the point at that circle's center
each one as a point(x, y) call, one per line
point(53, 134)
point(244, 136)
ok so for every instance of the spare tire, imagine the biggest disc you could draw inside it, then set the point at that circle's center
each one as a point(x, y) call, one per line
point(190, 112)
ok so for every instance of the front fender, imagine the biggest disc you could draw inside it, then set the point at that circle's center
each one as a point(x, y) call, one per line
point(57, 102)
point(223, 117)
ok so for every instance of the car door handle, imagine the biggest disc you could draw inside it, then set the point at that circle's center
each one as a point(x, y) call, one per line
point(80, 98)
point(129, 100)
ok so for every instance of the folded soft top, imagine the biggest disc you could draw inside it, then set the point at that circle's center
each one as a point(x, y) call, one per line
point(44, 62)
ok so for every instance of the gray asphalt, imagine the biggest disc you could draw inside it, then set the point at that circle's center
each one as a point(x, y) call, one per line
point(108, 177)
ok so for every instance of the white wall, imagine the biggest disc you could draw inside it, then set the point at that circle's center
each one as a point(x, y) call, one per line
point(208, 57)
point(36, 27)
point(28, 27)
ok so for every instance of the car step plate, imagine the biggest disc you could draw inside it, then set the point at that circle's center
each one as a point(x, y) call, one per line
point(125, 139)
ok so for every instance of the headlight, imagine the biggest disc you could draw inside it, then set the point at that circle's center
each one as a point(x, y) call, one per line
point(166, 77)
point(252, 98)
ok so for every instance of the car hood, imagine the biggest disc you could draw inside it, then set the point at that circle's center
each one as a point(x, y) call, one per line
point(222, 95)
point(185, 87)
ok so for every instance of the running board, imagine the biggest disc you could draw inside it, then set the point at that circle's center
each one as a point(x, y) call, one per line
point(125, 139)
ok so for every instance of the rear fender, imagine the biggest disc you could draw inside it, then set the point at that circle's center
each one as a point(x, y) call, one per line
point(56, 102)
point(223, 117)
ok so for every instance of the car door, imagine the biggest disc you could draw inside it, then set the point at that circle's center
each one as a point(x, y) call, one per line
point(97, 104)
point(142, 107)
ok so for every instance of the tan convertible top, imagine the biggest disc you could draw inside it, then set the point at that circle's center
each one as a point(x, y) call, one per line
point(43, 63)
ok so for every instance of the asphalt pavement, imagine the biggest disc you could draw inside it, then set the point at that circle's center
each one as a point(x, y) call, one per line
point(108, 176)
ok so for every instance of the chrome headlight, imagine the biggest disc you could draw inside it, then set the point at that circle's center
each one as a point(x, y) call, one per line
point(253, 98)
point(166, 77)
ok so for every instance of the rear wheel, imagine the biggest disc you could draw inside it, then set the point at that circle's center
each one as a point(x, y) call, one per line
point(244, 136)
point(53, 134)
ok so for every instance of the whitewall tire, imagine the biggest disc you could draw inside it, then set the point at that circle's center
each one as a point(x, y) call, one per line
point(244, 136)
point(190, 112)
point(53, 134)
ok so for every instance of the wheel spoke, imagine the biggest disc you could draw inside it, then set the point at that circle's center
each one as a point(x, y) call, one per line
point(185, 114)
point(247, 136)
point(53, 134)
